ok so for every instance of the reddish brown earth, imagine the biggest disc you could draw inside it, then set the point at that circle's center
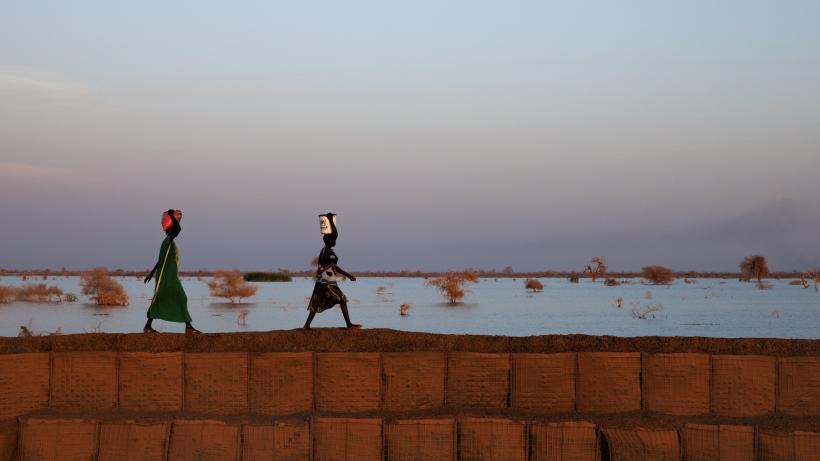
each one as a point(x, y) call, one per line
point(384, 340)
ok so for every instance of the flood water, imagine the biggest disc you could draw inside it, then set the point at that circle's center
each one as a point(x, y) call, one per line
point(709, 307)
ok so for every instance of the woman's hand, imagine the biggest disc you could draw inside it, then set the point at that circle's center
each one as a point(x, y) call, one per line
point(352, 278)
point(148, 277)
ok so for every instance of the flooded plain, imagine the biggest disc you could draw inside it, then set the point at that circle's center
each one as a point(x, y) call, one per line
point(708, 307)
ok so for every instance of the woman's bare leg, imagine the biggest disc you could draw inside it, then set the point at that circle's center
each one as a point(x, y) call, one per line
point(148, 328)
point(309, 319)
point(189, 329)
point(347, 317)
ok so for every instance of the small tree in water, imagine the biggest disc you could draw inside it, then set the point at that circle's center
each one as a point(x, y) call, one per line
point(753, 267)
point(102, 289)
point(451, 284)
point(597, 268)
point(231, 285)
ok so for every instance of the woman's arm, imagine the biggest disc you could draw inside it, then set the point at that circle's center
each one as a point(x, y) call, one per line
point(340, 271)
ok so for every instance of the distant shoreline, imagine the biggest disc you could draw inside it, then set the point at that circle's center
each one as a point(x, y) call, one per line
point(409, 274)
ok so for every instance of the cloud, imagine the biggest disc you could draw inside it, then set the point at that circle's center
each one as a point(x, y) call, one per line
point(15, 84)
point(25, 172)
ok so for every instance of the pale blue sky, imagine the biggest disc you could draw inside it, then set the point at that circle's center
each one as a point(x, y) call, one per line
point(445, 134)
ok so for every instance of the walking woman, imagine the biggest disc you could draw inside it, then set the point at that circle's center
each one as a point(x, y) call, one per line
point(326, 292)
point(169, 302)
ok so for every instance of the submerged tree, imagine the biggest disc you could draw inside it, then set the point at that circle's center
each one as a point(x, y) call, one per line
point(102, 289)
point(451, 284)
point(596, 268)
point(754, 267)
point(231, 285)
point(658, 275)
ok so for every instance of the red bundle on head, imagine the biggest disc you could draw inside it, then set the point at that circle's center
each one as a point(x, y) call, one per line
point(166, 220)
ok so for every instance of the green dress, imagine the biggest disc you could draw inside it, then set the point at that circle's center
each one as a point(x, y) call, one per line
point(170, 302)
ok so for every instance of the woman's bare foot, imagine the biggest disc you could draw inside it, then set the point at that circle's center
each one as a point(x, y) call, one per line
point(149, 330)
point(192, 331)
point(306, 327)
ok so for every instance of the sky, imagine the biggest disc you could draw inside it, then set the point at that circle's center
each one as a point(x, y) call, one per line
point(445, 135)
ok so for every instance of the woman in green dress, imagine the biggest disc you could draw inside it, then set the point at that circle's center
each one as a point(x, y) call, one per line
point(169, 301)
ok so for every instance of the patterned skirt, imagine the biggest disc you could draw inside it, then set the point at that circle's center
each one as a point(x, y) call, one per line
point(325, 296)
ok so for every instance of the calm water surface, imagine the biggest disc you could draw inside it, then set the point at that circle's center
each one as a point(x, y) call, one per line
point(709, 307)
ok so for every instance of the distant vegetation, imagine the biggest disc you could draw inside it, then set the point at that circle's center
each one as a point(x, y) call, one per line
point(102, 288)
point(754, 267)
point(231, 285)
point(533, 285)
point(596, 268)
point(451, 284)
point(267, 277)
point(658, 275)
point(39, 293)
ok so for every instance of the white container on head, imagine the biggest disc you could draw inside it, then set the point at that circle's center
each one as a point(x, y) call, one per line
point(324, 224)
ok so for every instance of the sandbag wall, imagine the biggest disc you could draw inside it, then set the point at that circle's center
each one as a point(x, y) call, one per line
point(340, 393)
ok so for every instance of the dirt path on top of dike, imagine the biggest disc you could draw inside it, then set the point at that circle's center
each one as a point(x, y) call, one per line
point(384, 340)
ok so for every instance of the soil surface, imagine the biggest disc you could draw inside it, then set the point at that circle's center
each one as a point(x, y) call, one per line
point(384, 340)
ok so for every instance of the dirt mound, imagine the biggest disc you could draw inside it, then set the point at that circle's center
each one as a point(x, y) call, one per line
point(383, 340)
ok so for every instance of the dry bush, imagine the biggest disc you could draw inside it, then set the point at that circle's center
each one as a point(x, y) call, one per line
point(231, 285)
point(658, 275)
point(612, 283)
point(451, 284)
point(39, 293)
point(102, 288)
point(380, 291)
point(573, 278)
point(596, 267)
point(753, 267)
point(242, 318)
point(533, 285)
point(404, 309)
point(7, 294)
point(645, 312)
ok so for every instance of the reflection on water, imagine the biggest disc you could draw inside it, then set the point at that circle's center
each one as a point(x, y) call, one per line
point(707, 308)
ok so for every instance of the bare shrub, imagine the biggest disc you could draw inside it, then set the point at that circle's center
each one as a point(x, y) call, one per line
point(753, 267)
point(102, 288)
point(231, 285)
point(573, 278)
point(658, 275)
point(380, 291)
point(7, 294)
point(242, 318)
point(533, 285)
point(39, 293)
point(645, 312)
point(404, 309)
point(612, 283)
point(451, 284)
point(596, 268)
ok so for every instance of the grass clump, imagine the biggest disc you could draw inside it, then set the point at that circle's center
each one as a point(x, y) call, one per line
point(534, 285)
